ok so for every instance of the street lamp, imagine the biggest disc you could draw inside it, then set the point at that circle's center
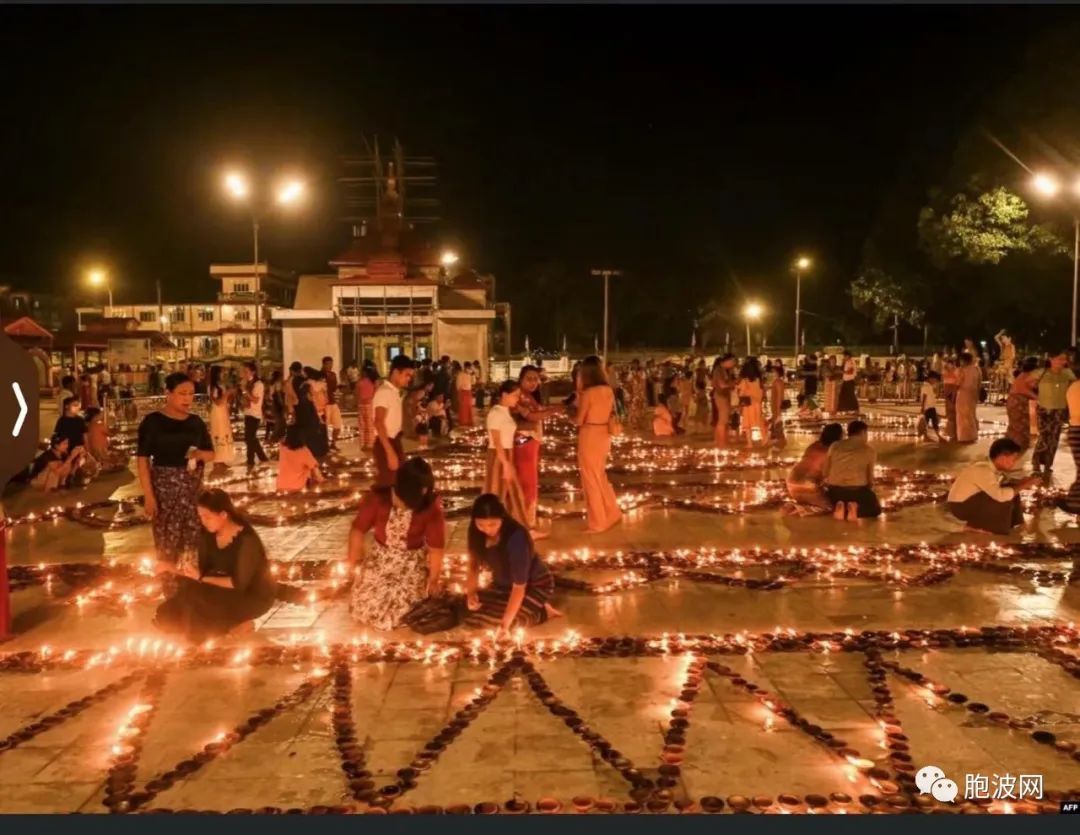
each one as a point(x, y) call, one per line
point(288, 193)
point(449, 258)
point(802, 264)
point(752, 312)
point(607, 274)
point(1048, 186)
point(100, 278)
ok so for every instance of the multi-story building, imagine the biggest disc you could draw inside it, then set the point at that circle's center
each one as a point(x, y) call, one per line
point(237, 325)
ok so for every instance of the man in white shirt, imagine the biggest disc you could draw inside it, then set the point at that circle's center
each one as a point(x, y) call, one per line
point(978, 496)
point(254, 392)
point(501, 472)
point(386, 403)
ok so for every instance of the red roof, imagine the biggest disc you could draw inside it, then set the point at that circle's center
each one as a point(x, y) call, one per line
point(27, 328)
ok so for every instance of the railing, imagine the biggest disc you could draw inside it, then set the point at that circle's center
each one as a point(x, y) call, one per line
point(124, 414)
point(499, 370)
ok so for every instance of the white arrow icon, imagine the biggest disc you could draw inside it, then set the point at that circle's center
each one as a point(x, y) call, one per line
point(22, 410)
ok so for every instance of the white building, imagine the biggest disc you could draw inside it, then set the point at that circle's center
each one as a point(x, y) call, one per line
point(380, 304)
point(227, 328)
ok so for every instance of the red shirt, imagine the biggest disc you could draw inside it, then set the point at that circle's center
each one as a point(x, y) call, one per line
point(427, 528)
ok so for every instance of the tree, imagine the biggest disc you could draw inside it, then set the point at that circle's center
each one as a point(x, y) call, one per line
point(885, 300)
point(982, 229)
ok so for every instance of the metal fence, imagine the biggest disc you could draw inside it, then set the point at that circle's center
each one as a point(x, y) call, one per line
point(124, 414)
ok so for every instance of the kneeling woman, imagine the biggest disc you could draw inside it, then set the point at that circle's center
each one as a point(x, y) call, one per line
point(232, 583)
point(521, 584)
point(405, 563)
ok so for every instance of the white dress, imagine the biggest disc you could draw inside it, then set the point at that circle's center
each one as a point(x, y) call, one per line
point(221, 432)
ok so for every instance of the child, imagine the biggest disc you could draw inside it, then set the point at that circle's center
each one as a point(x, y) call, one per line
point(928, 423)
point(420, 418)
point(436, 412)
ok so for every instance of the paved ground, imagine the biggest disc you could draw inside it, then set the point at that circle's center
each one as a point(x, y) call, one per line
point(516, 747)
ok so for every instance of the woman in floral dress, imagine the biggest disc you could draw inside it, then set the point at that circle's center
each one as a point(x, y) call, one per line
point(404, 564)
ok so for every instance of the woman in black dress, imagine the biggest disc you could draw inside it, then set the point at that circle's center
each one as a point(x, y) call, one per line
point(174, 446)
point(232, 583)
point(520, 585)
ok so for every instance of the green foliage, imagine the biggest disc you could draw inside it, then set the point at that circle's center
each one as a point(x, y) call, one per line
point(983, 229)
point(883, 298)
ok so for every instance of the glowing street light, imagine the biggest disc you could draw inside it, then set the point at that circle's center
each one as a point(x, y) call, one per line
point(752, 312)
point(449, 258)
point(100, 278)
point(236, 184)
point(288, 193)
point(1047, 185)
point(802, 264)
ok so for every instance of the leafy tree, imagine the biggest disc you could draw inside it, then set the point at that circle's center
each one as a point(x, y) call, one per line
point(884, 299)
point(982, 229)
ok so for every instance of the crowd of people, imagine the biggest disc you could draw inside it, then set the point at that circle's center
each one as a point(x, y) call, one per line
point(216, 566)
point(215, 563)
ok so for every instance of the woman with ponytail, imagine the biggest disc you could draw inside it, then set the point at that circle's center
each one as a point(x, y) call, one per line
point(231, 585)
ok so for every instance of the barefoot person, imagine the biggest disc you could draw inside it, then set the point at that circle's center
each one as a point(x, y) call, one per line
point(521, 584)
point(594, 416)
point(297, 466)
point(174, 447)
point(388, 452)
point(979, 497)
point(231, 584)
point(805, 482)
point(849, 476)
point(404, 564)
point(530, 415)
point(502, 478)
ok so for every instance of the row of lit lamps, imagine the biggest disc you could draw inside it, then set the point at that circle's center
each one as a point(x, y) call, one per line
point(238, 186)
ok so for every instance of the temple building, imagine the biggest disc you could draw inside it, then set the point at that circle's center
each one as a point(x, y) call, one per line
point(389, 293)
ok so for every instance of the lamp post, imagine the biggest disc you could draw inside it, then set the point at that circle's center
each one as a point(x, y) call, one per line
point(607, 274)
point(752, 313)
point(802, 264)
point(288, 193)
point(99, 278)
point(1048, 186)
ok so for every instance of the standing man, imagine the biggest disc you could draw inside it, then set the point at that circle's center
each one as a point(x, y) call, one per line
point(333, 410)
point(254, 393)
point(388, 452)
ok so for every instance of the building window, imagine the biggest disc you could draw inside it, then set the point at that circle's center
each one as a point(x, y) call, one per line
point(241, 287)
point(147, 316)
point(206, 314)
point(243, 342)
point(179, 314)
point(243, 316)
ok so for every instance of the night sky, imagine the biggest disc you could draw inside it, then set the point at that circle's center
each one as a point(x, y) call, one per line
point(696, 148)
